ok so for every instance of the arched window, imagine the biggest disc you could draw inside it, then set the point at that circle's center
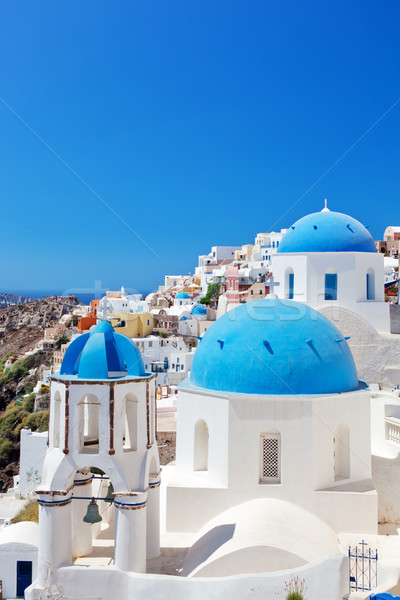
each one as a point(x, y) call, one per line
point(200, 462)
point(56, 420)
point(331, 286)
point(341, 452)
point(130, 422)
point(89, 417)
point(289, 283)
point(270, 457)
point(370, 284)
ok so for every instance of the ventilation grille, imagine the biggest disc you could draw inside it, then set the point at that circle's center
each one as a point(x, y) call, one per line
point(270, 458)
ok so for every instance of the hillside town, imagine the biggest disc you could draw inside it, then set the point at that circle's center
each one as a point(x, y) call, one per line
point(212, 369)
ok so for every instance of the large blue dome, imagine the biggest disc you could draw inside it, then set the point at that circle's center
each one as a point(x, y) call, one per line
point(327, 231)
point(102, 354)
point(274, 347)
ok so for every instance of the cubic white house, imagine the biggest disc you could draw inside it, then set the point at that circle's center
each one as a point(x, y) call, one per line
point(329, 257)
point(329, 261)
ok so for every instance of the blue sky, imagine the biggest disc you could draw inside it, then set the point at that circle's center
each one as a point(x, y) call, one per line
point(199, 123)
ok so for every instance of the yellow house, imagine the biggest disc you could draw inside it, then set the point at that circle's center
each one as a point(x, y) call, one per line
point(132, 324)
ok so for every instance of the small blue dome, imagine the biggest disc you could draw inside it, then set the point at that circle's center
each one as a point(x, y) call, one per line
point(102, 354)
point(182, 296)
point(274, 347)
point(199, 310)
point(327, 231)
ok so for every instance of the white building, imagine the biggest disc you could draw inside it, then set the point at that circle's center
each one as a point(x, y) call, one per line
point(182, 299)
point(120, 303)
point(174, 281)
point(180, 364)
point(273, 409)
point(217, 255)
point(267, 244)
point(18, 558)
point(329, 261)
point(329, 258)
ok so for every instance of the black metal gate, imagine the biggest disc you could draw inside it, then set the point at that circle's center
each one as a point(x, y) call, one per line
point(363, 564)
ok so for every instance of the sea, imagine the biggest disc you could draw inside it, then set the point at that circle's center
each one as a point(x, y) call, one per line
point(84, 296)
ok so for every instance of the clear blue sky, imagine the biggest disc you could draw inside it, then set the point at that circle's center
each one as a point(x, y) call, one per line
point(198, 122)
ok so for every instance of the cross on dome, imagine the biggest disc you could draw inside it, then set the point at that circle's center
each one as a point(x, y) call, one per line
point(326, 209)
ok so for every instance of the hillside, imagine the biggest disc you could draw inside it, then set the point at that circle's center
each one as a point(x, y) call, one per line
point(22, 325)
point(21, 329)
point(12, 299)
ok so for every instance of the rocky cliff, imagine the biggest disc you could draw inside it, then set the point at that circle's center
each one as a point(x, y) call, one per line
point(22, 325)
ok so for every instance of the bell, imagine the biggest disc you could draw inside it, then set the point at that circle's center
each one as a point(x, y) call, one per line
point(92, 514)
point(96, 471)
point(109, 498)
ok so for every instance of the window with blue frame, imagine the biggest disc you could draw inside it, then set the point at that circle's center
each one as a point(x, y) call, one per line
point(331, 286)
point(370, 284)
point(291, 286)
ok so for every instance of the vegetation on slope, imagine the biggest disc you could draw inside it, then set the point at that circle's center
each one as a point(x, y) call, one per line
point(30, 512)
point(17, 416)
point(213, 291)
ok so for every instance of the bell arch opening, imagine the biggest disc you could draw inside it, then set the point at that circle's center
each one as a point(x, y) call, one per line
point(89, 424)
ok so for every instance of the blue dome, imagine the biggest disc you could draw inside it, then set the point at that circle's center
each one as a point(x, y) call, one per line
point(182, 296)
point(199, 310)
point(327, 231)
point(102, 354)
point(274, 347)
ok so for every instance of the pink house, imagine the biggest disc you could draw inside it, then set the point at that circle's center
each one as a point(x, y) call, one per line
point(232, 285)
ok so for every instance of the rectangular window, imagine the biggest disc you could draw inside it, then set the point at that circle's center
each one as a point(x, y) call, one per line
point(270, 458)
point(331, 286)
point(291, 286)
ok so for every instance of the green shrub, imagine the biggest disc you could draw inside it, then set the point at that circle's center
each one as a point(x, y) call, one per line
point(62, 339)
point(10, 419)
point(6, 448)
point(38, 421)
point(16, 431)
point(212, 293)
point(29, 403)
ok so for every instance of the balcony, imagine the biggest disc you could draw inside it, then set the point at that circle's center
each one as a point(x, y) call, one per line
point(392, 429)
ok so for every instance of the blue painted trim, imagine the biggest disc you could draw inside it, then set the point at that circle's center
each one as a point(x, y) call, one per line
point(83, 480)
point(55, 502)
point(154, 483)
point(116, 503)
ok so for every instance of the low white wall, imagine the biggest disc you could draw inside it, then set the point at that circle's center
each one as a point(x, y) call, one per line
point(325, 579)
point(377, 357)
point(33, 451)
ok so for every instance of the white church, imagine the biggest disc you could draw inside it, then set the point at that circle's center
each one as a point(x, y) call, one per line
point(273, 466)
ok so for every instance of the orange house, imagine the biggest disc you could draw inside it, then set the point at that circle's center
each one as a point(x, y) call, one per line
point(85, 323)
